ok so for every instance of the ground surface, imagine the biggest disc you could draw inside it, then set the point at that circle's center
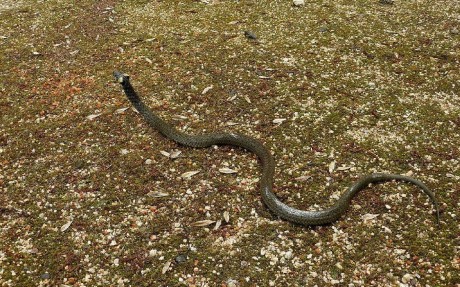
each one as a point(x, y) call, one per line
point(88, 198)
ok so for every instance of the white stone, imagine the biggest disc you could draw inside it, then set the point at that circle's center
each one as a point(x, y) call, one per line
point(298, 2)
point(406, 278)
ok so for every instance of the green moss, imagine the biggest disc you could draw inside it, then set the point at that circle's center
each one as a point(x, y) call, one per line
point(383, 73)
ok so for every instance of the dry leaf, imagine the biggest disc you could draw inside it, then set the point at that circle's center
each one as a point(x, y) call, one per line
point(157, 194)
point(278, 121)
point(332, 167)
point(119, 111)
point(165, 267)
point(341, 168)
point(386, 229)
point(218, 224)
point(206, 90)
point(409, 173)
point(165, 153)
point(303, 178)
point(227, 170)
point(92, 117)
point(189, 174)
point(226, 216)
point(180, 117)
point(369, 216)
point(202, 223)
point(66, 226)
point(175, 154)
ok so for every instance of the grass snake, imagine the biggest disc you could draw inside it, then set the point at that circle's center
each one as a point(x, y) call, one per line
point(284, 211)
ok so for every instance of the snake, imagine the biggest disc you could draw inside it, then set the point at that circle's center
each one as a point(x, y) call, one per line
point(284, 211)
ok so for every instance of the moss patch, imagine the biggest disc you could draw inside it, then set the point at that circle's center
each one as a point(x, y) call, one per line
point(368, 86)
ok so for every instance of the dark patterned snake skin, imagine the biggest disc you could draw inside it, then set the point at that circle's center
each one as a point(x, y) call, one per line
point(268, 165)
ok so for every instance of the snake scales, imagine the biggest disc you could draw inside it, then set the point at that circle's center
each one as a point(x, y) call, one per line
point(268, 165)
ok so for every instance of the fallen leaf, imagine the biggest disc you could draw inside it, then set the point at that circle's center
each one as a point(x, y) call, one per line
point(206, 90)
point(175, 154)
point(66, 226)
point(226, 216)
point(119, 111)
point(342, 168)
point(332, 167)
point(165, 153)
point(278, 121)
point(409, 173)
point(157, 194)
point(202, 223)
point(189, 174)
point(227, 170)
point(303, 178)
point(180, 117)
point(165, 267)
point(92, 117)
point(247, 99)
point(369, 216)
point(218, 224)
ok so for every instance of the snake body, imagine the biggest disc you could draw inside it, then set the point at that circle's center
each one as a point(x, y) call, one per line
point(284, 211)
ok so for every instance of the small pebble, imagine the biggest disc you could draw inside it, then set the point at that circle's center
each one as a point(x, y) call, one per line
point(406, 278)
point(45, 276)
point(232, 283)
point(298, 2)
point(386, 2)
point(153, 252)
point(181, 258)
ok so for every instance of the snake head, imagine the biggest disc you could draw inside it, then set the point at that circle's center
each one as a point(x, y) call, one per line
point(120, 77)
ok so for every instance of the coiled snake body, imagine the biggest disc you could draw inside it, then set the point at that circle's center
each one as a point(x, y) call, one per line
point(268, 165)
